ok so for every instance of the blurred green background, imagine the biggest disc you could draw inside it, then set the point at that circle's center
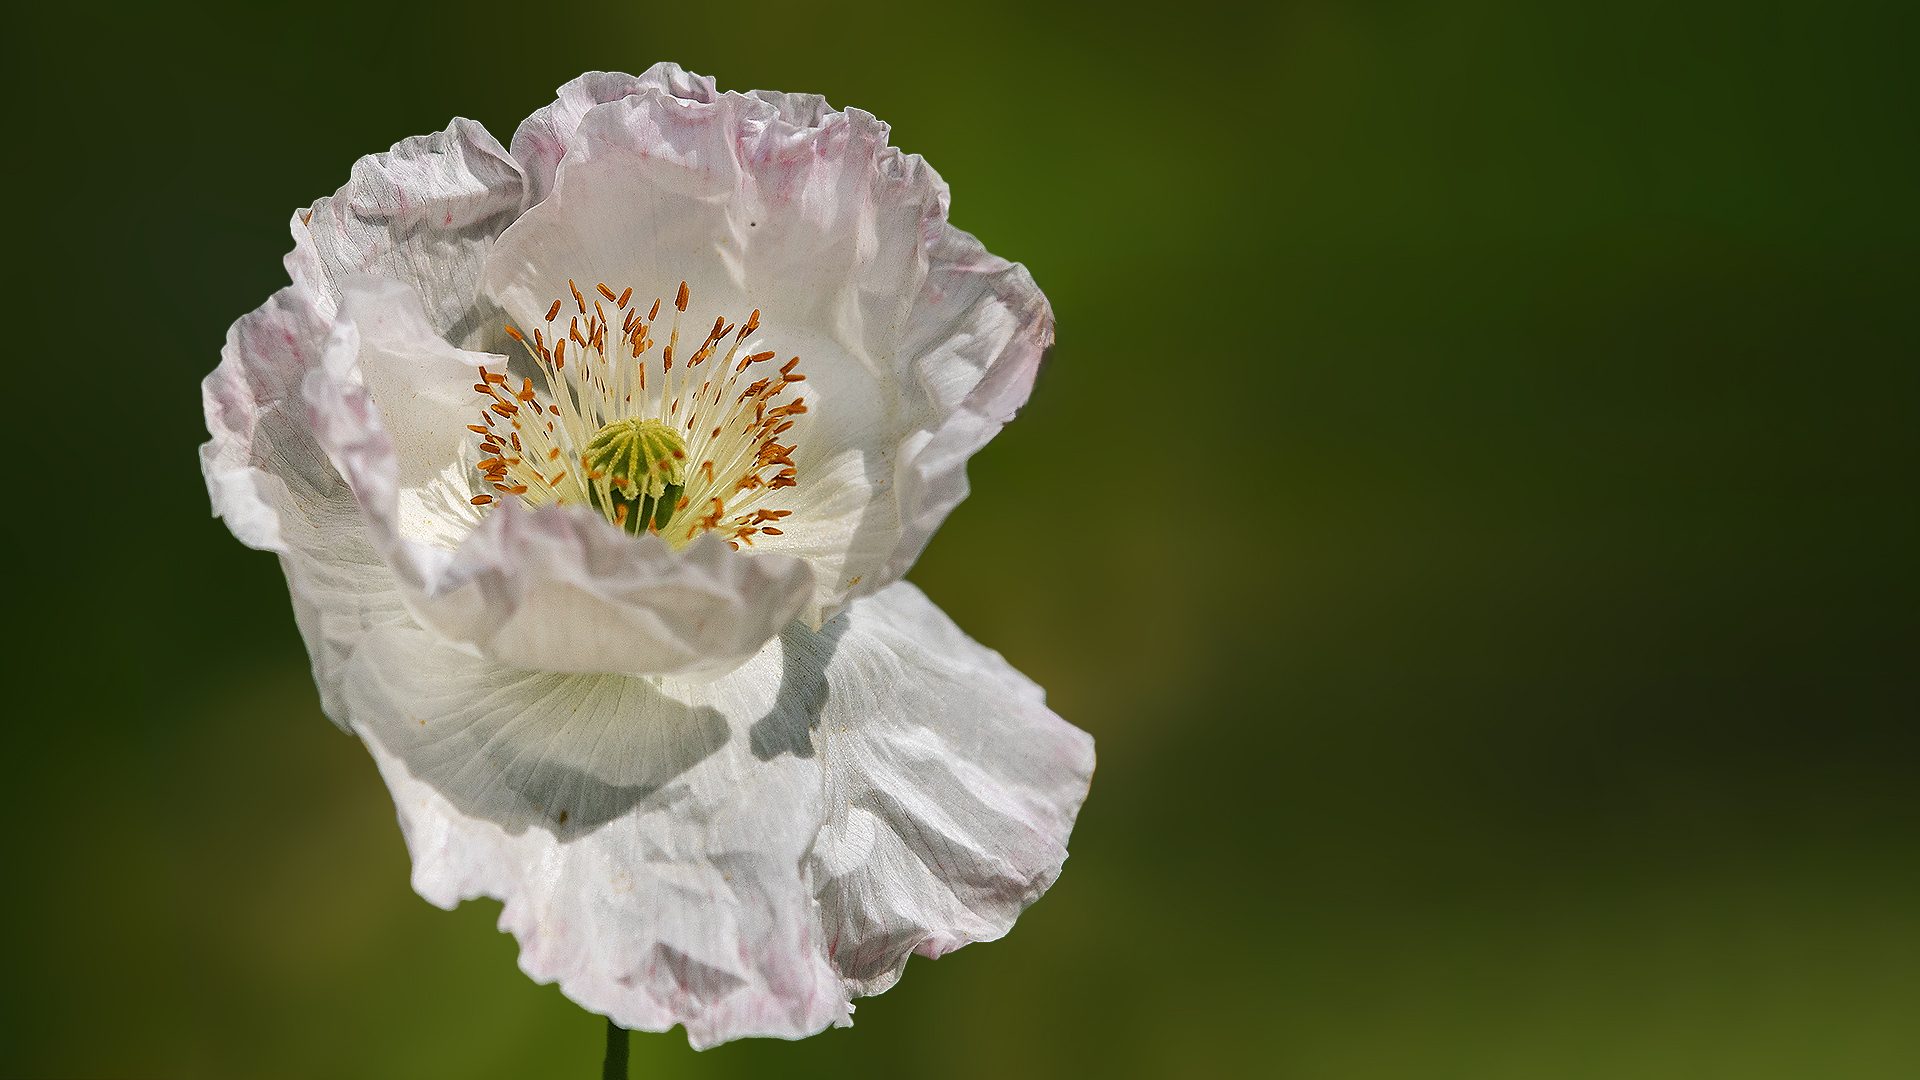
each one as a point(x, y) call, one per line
point(1514, 677)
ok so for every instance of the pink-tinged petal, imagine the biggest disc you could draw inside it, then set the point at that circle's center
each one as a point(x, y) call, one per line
point(649, 861)
point(983, 327)
point(554, 589)
point(950, 790)
point(542, 139)
point(424, 214)
point(741, 855)
point(271, 481)
point(916, 344)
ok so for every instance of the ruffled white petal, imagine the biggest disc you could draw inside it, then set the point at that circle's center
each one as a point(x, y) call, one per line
point(917, 344)
point(554, 589)
point(649, 861)
point(981, 328)
point(271, 481)
point(951, 789)
point(542, 139)
point(743, 855)
point(424, 214)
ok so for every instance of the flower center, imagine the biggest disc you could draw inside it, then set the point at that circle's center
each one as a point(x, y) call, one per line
point(675, 451)
point(645, 465)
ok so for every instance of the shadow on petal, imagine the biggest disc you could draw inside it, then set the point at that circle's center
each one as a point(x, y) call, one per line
point(565, 753)
point(698, 985)
point(788, 726)
point(876, 533)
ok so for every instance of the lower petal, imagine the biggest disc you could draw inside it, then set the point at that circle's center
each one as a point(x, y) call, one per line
point(739, 856)
point(950, 789)
point(648, 860)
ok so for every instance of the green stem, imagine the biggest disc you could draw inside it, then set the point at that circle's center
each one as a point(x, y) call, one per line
point(616, 1066)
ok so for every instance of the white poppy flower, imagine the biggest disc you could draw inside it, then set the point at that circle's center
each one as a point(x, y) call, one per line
point(614, 596)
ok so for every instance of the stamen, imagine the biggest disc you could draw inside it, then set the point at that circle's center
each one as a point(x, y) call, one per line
point(634, 432)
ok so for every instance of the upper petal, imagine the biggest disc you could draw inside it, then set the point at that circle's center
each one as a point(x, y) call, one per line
point(917, 344)
point(555, 589)
point(424, 214)
point(542, 139)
